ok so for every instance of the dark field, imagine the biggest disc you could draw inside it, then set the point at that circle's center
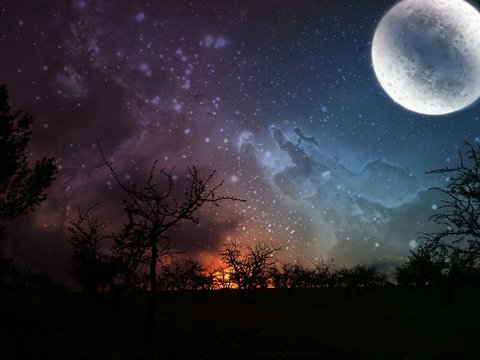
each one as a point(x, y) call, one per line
point(379, 324)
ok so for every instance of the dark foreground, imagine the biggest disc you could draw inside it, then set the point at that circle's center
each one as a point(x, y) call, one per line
point(379, 324)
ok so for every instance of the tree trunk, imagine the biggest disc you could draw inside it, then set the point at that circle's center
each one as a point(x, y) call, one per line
point(152, 299)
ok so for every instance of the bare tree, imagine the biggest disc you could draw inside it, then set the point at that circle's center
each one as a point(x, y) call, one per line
point(102, 261)
point(323, 274)
point(290, 276)
point(127, 260)
point(281, 275)
point(154, 209)
point(249, 265)
point(222, 278)
point(457, 244)
point(421, 270)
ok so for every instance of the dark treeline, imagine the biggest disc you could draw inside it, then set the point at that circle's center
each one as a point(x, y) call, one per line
point(141, 256)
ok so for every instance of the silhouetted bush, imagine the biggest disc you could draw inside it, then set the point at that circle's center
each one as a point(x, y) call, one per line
point(22, 278)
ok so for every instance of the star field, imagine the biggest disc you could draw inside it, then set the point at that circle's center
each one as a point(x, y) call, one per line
point(207, 83)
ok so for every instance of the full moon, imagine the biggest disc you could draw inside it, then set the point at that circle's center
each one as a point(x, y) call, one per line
point(426, 55)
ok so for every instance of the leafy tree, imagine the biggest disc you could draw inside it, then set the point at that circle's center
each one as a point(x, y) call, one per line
point(22, 186)
point(182, 274)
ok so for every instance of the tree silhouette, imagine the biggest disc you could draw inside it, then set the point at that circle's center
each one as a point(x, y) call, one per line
point(346, 279)
point(289, 276)
point(23, 278)
point(128, 260)
point(323, 275)
point(360, 276)
point(22, 187)
point(367, 276)
point(281, 275)
point(153, 209)
point(89, 264)
point(182, 273)
point(459, 216)
point(223, 279)
point(249, 266)
point(422, 269)
point(101, 261)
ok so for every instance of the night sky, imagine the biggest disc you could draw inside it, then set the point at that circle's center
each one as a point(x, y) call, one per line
point(279, 97)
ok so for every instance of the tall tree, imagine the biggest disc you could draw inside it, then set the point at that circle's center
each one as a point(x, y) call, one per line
point(458, 241)
point(22, 186)
point(154, 208)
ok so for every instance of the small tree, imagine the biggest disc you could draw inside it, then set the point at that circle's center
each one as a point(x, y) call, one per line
point(22, 187)
point(346, 279)
point(223, 279)
point(323, 274)
point(89, 265)
point(249, 265)
point(28, 279)
point(153, 209)
point(366, 276)
point(360, 276)
point(182, 274)
point(103, 261)
point(422, 269)
point(290, 276)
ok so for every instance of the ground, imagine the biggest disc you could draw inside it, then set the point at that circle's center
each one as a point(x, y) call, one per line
point(378, 324)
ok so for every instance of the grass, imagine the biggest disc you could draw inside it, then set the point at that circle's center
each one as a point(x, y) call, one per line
point(386, 323)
